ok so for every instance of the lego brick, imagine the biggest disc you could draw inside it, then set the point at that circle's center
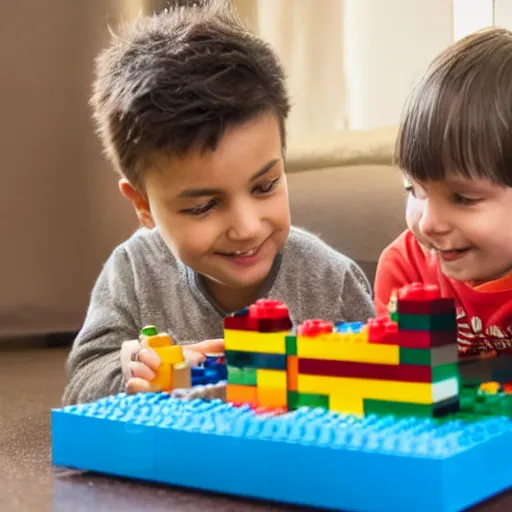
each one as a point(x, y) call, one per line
point(429, 356)
point(240, 323)
point(273, 379)
point(268, 397)
point(426, 339)
point(438, 409)
point(322, 454)
point(296, 400)
point(249, 341)
point(405, 373)
point(291, 345)
point(274, 325)
point(181, 376)
point(415, 392)
point(332, 348)
point(425, 307)
point(443, 322)
point(382, 330)
point(243, 394)
point(348, 403)
point(242, 376)
point(157, 340)
point(244, 359)
point(292, 373)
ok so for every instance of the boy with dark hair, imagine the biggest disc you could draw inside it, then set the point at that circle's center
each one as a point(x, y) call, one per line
point(455, 149)
point(191, 109)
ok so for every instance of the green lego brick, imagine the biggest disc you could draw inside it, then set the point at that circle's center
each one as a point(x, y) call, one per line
point(242, 376)
point(296, 400)
point(481, 404)
point(394, 316)
point(384, 407)
point(429, 356)
point(291, 345)
point(445, 322)
point(444, 372)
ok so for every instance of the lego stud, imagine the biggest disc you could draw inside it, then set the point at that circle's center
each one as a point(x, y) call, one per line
point(149, 330)
point(268, 309)
point(381, 328)
point(419, 291)
point(312, 328)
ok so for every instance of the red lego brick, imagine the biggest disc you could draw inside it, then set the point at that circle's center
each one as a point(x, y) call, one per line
point(268, 309)
point(312, 328)
point(382, 330)
point(241, 323)
point(426, 339)
point(274, 325)
point(375, 371)
point(425, 307)
point(419, 291)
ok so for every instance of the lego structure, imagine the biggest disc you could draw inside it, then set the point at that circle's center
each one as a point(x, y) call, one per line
point(342, 398)
point(406, 366)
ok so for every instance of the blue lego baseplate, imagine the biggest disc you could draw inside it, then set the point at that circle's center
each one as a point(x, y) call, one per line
point(308, 457)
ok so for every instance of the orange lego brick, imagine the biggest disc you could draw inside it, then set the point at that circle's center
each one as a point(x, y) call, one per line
point(268, 397)
point(292, 366)
point(242, 394)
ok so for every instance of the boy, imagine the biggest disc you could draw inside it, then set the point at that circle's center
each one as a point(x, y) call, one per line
point(455, 149)
point(191, 109)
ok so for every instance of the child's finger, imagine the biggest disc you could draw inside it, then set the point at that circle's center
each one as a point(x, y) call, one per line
point(139, 369)
point(193, 357)
point(209, 346)
point(137, 385)
point(150, 358)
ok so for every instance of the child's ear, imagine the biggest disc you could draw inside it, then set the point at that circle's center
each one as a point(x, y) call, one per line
point(139, 203)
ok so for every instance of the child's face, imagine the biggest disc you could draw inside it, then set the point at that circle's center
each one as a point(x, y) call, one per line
point(225, 213)
point(466, 222)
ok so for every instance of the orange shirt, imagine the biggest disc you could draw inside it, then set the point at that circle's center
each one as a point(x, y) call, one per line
point(484, 312)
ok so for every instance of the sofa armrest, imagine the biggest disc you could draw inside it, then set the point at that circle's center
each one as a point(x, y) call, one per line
point(341, 148)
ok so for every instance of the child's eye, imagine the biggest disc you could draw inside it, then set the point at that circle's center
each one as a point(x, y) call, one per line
point(199, 210)
point(265, 188)
point(409, 189)
point(459, 199)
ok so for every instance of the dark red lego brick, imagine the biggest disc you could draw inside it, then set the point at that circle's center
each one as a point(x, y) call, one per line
point(423, 299)
point(382, 330)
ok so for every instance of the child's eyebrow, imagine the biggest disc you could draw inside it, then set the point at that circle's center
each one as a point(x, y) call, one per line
point(201, 192)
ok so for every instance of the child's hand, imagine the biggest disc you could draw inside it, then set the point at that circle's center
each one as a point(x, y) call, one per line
point(196, 352)
point(139, 366)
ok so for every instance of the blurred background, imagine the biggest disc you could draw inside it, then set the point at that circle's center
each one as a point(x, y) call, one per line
point(350, 65)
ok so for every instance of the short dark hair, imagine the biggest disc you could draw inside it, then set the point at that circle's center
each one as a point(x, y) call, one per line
point(176, 80)
point(459, 116)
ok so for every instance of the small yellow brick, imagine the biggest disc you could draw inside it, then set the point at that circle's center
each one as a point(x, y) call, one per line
point(252, 341)
point(330, 347)
point(274, 379)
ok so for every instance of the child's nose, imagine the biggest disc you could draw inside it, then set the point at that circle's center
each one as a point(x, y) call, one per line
point(433, 220)
point(245, 224)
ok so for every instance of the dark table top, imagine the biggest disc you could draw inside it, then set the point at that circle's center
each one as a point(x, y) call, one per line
point(31, 383)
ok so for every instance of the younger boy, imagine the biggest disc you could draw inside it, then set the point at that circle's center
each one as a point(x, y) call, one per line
point(191, 109)
point(455, 149)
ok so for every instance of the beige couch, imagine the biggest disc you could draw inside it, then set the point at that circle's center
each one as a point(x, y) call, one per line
point(344, 188)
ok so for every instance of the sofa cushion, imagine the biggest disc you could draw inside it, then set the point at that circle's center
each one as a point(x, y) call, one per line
point(356, 209)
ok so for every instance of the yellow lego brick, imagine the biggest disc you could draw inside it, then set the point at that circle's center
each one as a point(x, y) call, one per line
point(171, 355)
point(346, 403)
point(334, 347)
point(274, 379)
point(413, 392)
point(276, 398)
point(163, 378)
point(252, 341)
point(158, 340)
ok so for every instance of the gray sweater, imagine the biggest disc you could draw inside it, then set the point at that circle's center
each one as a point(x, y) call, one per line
point(142, 283)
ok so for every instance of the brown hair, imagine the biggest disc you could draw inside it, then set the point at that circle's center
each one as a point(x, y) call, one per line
point(459, 117)
point(176, 80)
